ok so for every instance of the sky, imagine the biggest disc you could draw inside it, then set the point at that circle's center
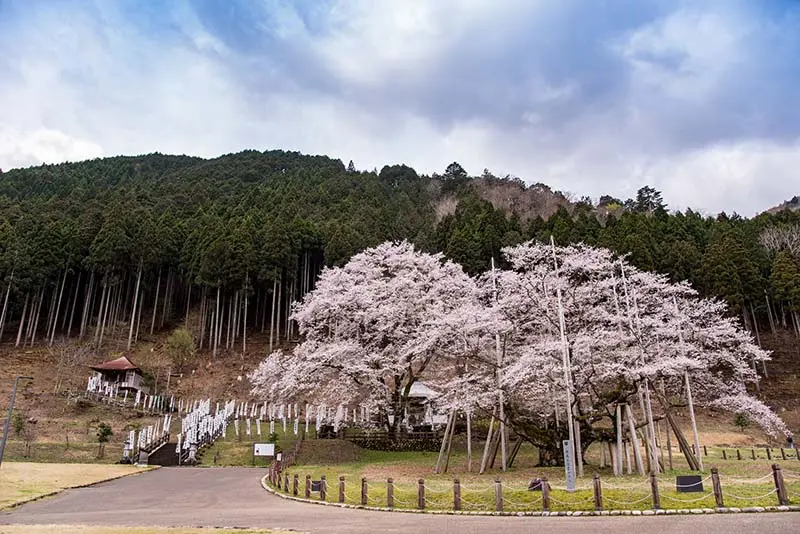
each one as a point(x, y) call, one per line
point(698, 99)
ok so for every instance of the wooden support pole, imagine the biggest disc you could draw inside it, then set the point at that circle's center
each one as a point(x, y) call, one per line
point(654, 490)
point(717, 487)
point(421, 494)
point(323, 488)
point(545, 495)
point(295, 484)
point(456, 494)
point(498, 495)
point(308, 486)
point(390, 493)
point(341, 489)
point(598, 493)
point(364, 496)
point(286, 482)
point(777, 475)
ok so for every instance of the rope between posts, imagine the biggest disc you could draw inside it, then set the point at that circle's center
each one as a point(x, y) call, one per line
point(474, 505)
point(728, 494)
point(627, 503)
point(521, 504)
point(629, 486)
point(747, 480)
point(791, 474)
point(428, 489)
point(707, 495)
point(470, 489)
point(569, 503)
point(403, 503)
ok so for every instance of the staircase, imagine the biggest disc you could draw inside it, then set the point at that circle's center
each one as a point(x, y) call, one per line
point(164, 455)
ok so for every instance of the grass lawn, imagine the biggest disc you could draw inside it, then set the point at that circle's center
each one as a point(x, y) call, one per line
point(23, 481)
point(744, 482)
point(85, 529)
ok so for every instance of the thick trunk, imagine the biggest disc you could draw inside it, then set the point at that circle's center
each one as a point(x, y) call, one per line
point(103, 298)
point(104, 319)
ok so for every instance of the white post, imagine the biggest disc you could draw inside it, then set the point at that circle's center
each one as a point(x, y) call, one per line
point(499, 354)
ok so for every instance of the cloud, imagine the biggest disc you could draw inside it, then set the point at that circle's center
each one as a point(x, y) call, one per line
point(695, 98)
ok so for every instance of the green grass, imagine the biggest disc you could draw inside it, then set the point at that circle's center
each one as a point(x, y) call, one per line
point(59, 452)
point(744, 483)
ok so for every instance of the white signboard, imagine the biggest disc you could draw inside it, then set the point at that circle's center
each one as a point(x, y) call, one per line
point(263, 449)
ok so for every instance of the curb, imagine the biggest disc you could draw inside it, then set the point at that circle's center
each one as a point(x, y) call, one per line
point(670, 511)
point(90, 484)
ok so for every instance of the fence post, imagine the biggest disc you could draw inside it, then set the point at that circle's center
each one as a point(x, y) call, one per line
point(797, 452)
point(278, 480)
point(717, 487)
point(783, 454)
point(498, 495)
point(308, 486)
point(654, 489)
point(364, 499)
point(738, 454)
point(286, 482)
point(421, 494)
point(545, 495)
point(456, 494)
point(705, 450)
point(777, 476)
point(341, 488)
point(724, 454)
point(598, 492)
point(323, 488)
point(753, 453)
point(390, 493)
point(769, 454)
point(295, 483)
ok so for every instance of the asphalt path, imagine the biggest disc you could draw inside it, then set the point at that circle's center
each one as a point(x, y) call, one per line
point(233, 497)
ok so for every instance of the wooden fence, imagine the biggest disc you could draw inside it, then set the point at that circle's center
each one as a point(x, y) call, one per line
point(652, 493)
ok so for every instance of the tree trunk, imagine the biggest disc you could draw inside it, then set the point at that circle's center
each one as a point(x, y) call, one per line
point(272, 315)
point(74, 302)
point(5, 305)
point(104, 319)
point(769, 313)
point(135, 303)
point(22, 319)
point(683, 444)
point(155, 303)
point(244, 324)
point(38, 313)
point(58, 307)
point(87, 306)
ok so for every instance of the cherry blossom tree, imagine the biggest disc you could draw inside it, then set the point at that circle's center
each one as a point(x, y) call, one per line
point(371, 329)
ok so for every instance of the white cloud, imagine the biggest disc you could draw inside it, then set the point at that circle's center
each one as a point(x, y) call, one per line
point(79, 86)
point(43, 146)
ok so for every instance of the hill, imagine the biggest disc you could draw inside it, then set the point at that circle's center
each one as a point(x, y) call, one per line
point(110, 255)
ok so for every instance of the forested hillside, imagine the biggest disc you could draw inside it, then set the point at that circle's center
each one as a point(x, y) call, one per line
point(85, 247)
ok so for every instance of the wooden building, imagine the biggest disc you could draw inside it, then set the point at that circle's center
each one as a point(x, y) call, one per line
point(118, 375)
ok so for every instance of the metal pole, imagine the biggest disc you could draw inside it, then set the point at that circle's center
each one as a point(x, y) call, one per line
point(10, 411)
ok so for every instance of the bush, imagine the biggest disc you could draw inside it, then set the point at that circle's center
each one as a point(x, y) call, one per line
point(741, 420)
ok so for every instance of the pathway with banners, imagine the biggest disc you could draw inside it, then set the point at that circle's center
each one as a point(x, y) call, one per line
point(233, 497)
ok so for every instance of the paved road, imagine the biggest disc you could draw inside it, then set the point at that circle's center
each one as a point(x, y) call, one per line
point(233, 497)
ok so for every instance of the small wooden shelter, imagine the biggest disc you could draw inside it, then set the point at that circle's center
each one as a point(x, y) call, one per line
point(119, 375)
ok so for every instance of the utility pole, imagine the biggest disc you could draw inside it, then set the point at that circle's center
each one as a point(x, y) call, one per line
point(10, 411)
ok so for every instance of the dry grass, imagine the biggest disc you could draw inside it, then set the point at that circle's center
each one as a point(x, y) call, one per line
point(85, 529)
point(23, 481)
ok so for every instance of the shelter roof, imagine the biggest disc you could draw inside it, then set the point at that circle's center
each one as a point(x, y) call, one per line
point(120, 364)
